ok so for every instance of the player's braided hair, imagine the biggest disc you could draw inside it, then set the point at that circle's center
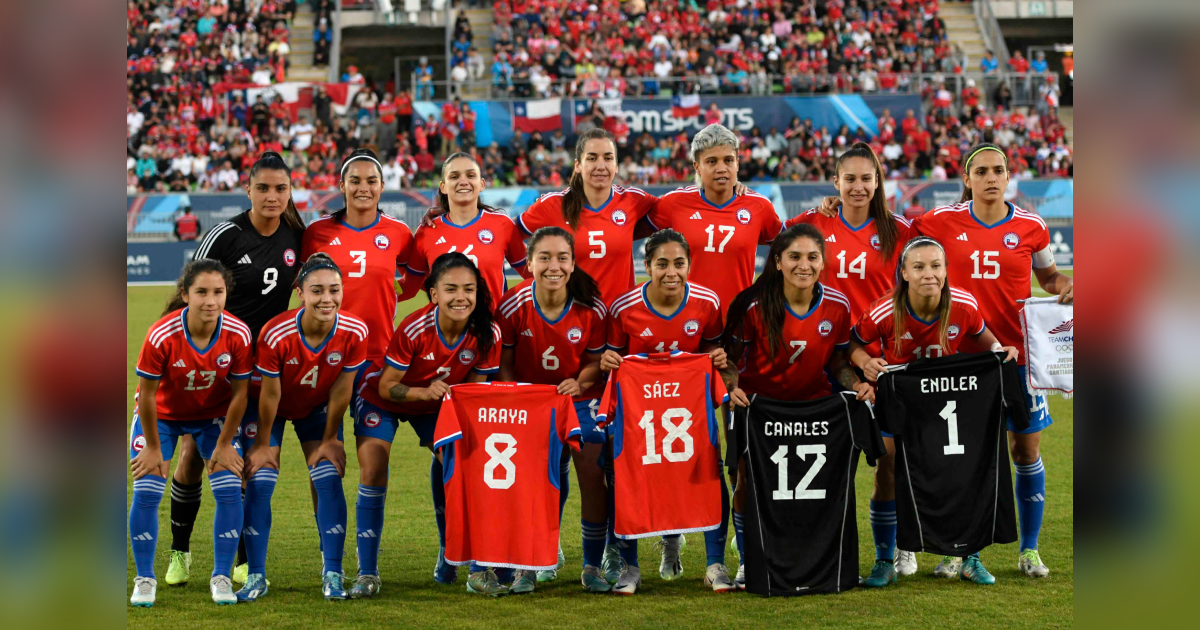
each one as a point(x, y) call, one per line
point(580, 285)
point(966, 169)
point(767, 290)
point(188, 277)
point(885, 225)
point(272, 161)
point(900, 295)
point(479, 323)
point(576, 196)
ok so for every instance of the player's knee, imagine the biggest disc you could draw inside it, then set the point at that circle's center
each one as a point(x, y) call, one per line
point(1025, 454)
point(373, 475)
point(885, 473)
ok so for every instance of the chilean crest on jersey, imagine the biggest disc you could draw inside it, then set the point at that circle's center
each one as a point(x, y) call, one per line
point(1011, 240)
point(224, 360)
point(825, 327)
point(952, 331)
point(875, 242)
point(289, 257)
point(466, 356)
point(251, 431)
point(743, 216)
point(372, 420)
point(382, 241)
point(486, 237)
point(334, 358)
point(619, 217)
point(575, 334)
point(691, 327)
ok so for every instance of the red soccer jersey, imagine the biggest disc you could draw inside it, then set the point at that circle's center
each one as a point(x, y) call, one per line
point(422, 353)
point(920, 338)
point(549, 352)
point(306, 374)
point(797, 371)
point(634, 325)
point(663, 408)
point(501, 446)
point(723, 240)
point(488, 240)
point(194, 382)
point(854, 262)
point(992, 262)
point(369, 259)
point(604, 240)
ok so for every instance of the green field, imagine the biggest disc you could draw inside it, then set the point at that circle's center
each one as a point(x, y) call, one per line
point(411, 599)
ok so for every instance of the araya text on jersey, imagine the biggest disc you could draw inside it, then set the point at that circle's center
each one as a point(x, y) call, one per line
point(505, 416)
point(795, 429)
point(660, 390)
point(948, 384)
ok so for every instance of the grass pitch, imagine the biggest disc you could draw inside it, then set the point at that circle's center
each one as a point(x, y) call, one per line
point(411, 599)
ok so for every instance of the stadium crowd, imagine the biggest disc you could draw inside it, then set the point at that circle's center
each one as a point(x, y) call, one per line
point(183, 138)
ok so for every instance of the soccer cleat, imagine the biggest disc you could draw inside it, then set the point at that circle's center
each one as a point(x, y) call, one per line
point(906, 562)
point(610, 565)
point(717, 576)
point(973, 570)
point(671, 566)
point(1030, 564)
point(948, 567)
point(240, 573)
point(630, 580)
point(740, 580)
point(524, 581)
point(444, 572)
point(593, 580)
point(144, 590)
point(364, 586)
point(486, 583)
point(222, 590)
point(180, 568)
point(255, 587)
point(882, 574)
point(550, 575)
point(332, 587)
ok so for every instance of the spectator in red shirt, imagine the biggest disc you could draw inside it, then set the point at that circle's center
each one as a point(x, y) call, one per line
point(424, 161)
point(1018, 62)
point(187, 226)
point(910, 123)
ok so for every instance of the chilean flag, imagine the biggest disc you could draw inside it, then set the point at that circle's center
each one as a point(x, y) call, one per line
point(543, 115)
point(685, 106)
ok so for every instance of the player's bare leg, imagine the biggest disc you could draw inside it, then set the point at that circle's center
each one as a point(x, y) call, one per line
point(1031, 499)
point(186, 487)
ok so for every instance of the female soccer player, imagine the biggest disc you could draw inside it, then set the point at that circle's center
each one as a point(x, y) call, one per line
point(193, 371)
point(259, 248)
point(451, 340)
point(485, 235)
point(923, 317)
point(991, 246)
point(307, 358)
point(553, 327)
point(666, 314)
point(786, 331)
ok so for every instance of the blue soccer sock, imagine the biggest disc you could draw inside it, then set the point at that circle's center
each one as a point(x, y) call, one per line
point(257, 521)
point(883, 527)
point(739, 526)
point(369, 512)
point(1031, 501)
point(594, 535)
point(629, 551)
point(437, 487)
point(143, 522)
point(715, 539)
point(227, 524)
point(564, 484)
point(331, 513)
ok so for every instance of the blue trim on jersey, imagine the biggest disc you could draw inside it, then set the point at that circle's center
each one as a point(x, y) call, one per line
point(448, 463)
point(188, 334)
point(239, 377)
point(487, 371)
point(617, 426)
point(414, 271)
point(446, 220)
point(538, 307)
point(819, 293)
point(1011, 211)
point(851, 227)
point(441, 337)
point(720, 207)
point(147, 375)
point(603, 205)
point(519, 263)
point(687, 290)
point(378, 218)
point(714, 433)
point(446, 440)
point(914, 316)
point(354, 368)
point(521, 224)
point(396, 364)
point(555, 451)
point(854, 335)
point(300, 329)
point(265, 372)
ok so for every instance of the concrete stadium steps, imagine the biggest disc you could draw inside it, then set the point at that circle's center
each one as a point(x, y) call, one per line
point(481, 32)
point(300, 40)
point(962, 29)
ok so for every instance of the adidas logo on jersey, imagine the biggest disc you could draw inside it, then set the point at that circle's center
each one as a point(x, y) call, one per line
point(527, 333)
point(962, 237)
point(696, 216)
point(180, 363)
point(907, 335)
point(831, 239)
point(440, 240)
point(646, 333)
point(244, 260)
point(293, 361)
point(335, 241)
point(428, 357)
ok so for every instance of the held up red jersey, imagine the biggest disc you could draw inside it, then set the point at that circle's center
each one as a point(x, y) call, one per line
point(549, 352)
point(488, 240)
point(369, 259)
point(501, 444)
point(633, 323)
point(662, 408)
point(306, 374)
point(920, 338)
point(993, 262)
point(854, 262)
point(194, 382)
point(723, 239)
point(604, 240)
point(423, 354)
point(797, 371)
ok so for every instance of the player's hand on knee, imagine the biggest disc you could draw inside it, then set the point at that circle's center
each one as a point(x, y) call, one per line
point(332, 451)
point(226, 456)
point(147, 462)
point(260, 456)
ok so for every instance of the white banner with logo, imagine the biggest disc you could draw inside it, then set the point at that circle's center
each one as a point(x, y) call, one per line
point(1049, 329)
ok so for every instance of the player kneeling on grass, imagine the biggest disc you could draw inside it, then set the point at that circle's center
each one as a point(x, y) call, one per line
point(308, 358)
point(451, 340)
point(194, 370)
point(924, 317)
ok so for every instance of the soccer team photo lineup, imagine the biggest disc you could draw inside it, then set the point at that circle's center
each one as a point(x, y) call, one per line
point(504, 370)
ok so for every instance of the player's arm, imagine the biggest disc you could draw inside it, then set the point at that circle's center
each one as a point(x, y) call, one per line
point(508, 361)
point(839, 367)
point(391, 388)
point(871, 366)
point(332, 449)
point(1054, 281)
point(737, 396)
point(149, 460)
point(588, 375)
point(986, 339)
point(224, 453)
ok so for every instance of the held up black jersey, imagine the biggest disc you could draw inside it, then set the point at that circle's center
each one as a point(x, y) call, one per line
point(801, 533)
point(263, 267)
point(954, 492)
